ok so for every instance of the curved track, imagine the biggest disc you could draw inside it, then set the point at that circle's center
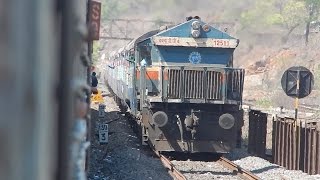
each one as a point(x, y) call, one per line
point(235, 169)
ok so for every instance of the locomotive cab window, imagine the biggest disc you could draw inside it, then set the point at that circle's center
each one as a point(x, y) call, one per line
point(145, 54)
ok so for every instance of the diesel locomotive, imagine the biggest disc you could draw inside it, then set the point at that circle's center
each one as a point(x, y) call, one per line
point(180, 85)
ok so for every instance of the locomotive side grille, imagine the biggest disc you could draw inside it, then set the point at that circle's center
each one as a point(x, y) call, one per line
point(174, 84)
point(236, 83)
point(193, 81)
point(214, 85)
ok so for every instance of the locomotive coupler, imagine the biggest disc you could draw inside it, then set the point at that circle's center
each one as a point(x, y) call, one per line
point(191, 123)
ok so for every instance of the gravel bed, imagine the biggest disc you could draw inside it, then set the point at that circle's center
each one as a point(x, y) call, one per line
point(260, 167)
point(123, 157)
point(203, 170)
point(266, 170)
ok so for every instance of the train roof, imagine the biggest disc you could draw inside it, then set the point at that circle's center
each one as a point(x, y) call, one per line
point(145, 36)
point(130, 45)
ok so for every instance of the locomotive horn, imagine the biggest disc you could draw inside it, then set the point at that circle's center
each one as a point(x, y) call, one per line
point(196, 17)
point(188, 18)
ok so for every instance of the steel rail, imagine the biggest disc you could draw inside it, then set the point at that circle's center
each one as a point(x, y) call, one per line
point(173, 171)
point(244, 174)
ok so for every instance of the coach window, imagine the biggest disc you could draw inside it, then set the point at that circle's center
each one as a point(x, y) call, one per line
point(131, 55)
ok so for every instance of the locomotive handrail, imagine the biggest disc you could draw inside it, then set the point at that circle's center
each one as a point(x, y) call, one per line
point(143, 86)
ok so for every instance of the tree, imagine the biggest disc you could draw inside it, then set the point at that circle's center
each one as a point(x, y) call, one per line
point(288, 14)
point(293, 14)
point(313, 8)
point(258, 15)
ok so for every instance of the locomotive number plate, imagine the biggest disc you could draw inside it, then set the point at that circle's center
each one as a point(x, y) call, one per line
point(195, 42)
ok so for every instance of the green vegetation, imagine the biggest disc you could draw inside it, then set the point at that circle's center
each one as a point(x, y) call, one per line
point(287, 14)
point(264, 103)
point(260, 15)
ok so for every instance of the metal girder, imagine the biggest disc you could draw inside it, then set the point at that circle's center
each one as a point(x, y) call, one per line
point(127, 29)
point(116, 38)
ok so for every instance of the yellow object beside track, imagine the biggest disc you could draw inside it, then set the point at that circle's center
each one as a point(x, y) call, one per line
point(97, 98)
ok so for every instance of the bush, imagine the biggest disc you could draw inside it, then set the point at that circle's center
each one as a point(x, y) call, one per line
point(264, 102)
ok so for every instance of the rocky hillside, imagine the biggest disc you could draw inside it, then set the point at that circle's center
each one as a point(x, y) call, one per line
point(266, 65)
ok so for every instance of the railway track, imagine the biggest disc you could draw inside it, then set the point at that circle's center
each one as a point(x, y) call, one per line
point(234, 168)
point(244, 174)
point(173, 171)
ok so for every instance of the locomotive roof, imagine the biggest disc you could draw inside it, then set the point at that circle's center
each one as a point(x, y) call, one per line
point(180, 30)
point(183, 31)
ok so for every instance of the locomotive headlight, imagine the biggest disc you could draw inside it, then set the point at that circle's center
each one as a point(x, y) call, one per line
point(226, 121)
point(160, 118)
point(206, 27)
point(195, 25)
point(195, 33)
